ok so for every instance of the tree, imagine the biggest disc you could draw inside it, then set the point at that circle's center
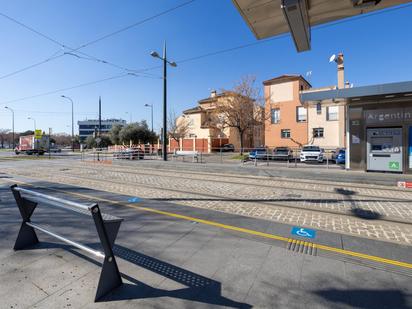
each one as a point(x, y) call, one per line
point(179, 127)
point(114, 134)
point(90, 142)
point(3, 136)
point(243, 110)
point(137, 132)
point(28, 132)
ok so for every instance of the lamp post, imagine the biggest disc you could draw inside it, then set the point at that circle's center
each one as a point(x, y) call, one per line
point(68, 98)
point(151, 109)
point(34, 120)
point(130, 116)
point(173, 64)
point(12, 122)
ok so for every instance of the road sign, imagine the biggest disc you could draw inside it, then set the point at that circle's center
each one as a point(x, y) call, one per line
point(38, 134)
point(134, 200)
point(303, 232)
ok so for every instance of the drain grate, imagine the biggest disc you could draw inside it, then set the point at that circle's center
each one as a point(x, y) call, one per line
point(301, 246)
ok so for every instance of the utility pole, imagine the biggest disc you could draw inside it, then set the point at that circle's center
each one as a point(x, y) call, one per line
point(63, 96)
point(12, 123)
point(100, 116)
point(173, 64)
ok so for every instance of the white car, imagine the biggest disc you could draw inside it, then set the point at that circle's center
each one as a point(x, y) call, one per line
point(312, 154)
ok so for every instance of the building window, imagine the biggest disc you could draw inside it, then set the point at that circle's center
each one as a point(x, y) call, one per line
point(332, 113)
point(318, 132)
point(300, 114)
point(285, 133)
point(318, 108)
point(275, 115)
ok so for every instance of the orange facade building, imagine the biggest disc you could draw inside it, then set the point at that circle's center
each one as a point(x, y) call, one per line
point(287, 124)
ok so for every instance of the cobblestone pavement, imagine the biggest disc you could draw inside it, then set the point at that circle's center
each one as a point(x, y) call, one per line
point(362, 210)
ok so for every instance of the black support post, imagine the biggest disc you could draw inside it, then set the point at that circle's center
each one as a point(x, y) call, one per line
point(27, 236)
point(110, 276)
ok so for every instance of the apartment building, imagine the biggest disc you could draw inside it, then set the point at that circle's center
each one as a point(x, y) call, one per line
point(204, 135)
point(288, 121)
point(326, 120)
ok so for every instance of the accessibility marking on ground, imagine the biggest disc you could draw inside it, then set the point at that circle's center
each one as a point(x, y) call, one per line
point(134, 200)
point(224, 226)
point(303, 232)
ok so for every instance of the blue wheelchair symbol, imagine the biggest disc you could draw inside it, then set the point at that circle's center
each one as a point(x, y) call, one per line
point(134, 200)
point(302, 232)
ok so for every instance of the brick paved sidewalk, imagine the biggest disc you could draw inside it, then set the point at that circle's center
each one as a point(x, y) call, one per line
point(375, 212)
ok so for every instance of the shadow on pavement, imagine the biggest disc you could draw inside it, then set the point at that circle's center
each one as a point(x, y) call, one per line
point(366, 299)
point(357, 211)
point(199, 288)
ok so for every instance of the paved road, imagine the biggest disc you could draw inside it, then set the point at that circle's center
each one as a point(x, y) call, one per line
point(378, 212)
point(169, 261)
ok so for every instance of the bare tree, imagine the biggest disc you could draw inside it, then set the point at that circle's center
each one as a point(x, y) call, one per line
point(3, 136)
point(243, 110)
point(179, 127)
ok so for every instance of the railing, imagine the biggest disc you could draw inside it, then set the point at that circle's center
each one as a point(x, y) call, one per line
point(107, 227)
point(104, 155)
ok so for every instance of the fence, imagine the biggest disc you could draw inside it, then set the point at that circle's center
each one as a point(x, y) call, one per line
point(107, 227)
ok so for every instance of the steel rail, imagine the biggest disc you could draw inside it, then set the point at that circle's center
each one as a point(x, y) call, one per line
point(64, 239)
point(54, 199)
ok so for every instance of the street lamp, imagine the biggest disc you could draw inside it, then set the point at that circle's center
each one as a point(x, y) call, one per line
point(173, 64)
point(34, 120)
point(68, 98)
point(12, 122)
point(130, 116)
point(151, 108)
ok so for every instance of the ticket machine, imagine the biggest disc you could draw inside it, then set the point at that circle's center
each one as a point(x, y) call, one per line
point(384, 149)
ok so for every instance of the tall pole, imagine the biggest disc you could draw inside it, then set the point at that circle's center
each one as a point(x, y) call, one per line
point(34, 121)
point(164, 137)
point(173, 64)
point(100, 116)
point(151, 107)
point(151, 113)
point(68, 98)
point(12, 123)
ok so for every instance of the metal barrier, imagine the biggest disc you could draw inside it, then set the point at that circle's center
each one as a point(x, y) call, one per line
point(107, 227)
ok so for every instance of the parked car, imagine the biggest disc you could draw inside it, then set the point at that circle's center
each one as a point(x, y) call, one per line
point(339, 156)
point(282, 153)
point(312, 154)
point(258, 154)
point(129, 154)
point(227, 148)
point(54, 150)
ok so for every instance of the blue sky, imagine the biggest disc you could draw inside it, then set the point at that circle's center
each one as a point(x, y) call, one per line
point(377, 50)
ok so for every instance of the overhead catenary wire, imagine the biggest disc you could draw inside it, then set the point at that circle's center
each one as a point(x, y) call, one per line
point(214, 53)
point(64, 46)
point(67, 88)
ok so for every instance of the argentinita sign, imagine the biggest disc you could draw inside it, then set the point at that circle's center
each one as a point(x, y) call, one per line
point(395, 115)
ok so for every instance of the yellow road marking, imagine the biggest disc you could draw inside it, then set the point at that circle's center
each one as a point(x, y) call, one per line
point(231, 227)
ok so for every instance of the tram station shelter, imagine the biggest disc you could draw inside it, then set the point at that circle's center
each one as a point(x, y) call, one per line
point(267, 18)
point(378, 124)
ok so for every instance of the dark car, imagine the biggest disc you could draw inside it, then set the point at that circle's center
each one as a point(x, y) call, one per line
point(227, 148)
point(282, 153)
point(339, 156)
point(258, 154)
